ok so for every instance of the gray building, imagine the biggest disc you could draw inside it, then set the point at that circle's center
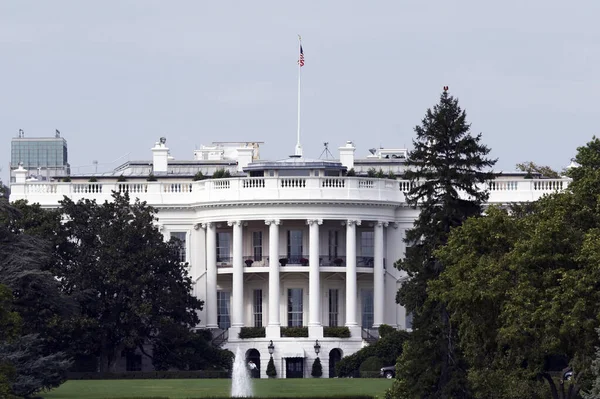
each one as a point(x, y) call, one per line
point(45, 158)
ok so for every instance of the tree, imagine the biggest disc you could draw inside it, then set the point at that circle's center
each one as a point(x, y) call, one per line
point(10, 324)
point(271, 371)
point(532, 167)
point(522, 288)
point(129, 282)
point(594, 391)
point(447, 165)
point(317, 369)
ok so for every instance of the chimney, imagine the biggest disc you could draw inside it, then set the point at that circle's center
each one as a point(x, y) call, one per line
point(160, 156)
point(244, 157)
point(20, 174)
point(347, 155)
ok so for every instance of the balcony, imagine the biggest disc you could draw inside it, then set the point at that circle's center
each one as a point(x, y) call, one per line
point(259, 189)
point(302, 261)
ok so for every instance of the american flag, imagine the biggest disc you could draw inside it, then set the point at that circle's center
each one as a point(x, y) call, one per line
point(301, 59)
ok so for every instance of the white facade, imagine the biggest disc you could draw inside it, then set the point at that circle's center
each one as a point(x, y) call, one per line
point(288, 243)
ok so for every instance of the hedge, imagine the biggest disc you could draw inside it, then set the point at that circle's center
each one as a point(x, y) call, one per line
point(370, 367)
point(261, 397)
point(339, 332)
point(252, 332)
point(296, 332)
point(149, 375)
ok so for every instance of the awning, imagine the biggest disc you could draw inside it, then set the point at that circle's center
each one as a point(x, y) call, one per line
point(292, 350)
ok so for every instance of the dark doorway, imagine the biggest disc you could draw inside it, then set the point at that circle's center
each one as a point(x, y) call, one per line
point(334, 357)
point(253, 356)
point(294, 367)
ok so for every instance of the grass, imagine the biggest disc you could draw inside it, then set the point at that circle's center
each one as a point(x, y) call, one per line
point(199, 388)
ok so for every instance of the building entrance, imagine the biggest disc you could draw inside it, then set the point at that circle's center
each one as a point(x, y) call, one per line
point(294, 367)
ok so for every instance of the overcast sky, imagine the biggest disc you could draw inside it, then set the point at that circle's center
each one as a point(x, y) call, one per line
point(114, 76)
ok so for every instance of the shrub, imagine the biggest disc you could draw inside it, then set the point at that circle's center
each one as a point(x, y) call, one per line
point(252, 332)
point(221, 174)
point(380, 174)
point(339, 332)
point(271, 372)
point(387, 348)
point(351, 172)
point(150, 375)
point(317, 369)
point(151, 177)
point(66, 179)
point(121, 178)
point(391, 175)
point(369, 368)
point(198, 176)
point(93, 179)
point(371, 172)
point(385, 330)
point(298, 332)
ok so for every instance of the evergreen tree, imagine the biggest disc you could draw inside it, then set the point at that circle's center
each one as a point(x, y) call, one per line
point(271, 371)
point(447, 166)
point(317, 369)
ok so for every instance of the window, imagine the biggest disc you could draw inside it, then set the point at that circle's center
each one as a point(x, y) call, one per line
point(223, 305)
point(223, 247)
point(367, 248)
point(257, 305)
point(367, 308)
point(294, 246)
point(182, 249)
point(333, 307)
point(295, 307)
point(333, 244)
point(257, 245)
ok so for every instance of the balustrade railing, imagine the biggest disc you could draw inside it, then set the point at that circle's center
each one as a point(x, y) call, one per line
point(327, 260)
point(364, 261)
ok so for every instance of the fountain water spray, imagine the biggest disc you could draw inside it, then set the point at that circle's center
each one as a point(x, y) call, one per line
point(241, 383)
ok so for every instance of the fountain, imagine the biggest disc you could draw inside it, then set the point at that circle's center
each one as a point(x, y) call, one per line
point(241, 384)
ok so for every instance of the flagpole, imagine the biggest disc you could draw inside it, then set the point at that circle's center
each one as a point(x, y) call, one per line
point(298, 146)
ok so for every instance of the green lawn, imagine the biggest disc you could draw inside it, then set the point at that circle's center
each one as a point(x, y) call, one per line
point(198, 388)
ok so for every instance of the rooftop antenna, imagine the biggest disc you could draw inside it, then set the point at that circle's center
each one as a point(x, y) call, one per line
point(326, 151)
point(21, 133)
point(95, 162)
point(57, 133)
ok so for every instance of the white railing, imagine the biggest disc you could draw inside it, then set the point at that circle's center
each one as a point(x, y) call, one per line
point(269, 188)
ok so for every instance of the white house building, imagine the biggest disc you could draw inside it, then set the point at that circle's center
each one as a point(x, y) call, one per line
point(291, 243)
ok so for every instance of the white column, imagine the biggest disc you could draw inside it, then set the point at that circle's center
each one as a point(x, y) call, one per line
point(378, 276)
point(351, 292)
point(211, 275)
point(274, 326)
point(315, 329)
point(237, 306)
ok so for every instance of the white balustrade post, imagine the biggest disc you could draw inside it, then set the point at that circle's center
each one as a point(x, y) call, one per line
point(315, 329)
point(351, 291)
point(237, 311)
point(378, 276)
point(273, 326)
point(211, 275)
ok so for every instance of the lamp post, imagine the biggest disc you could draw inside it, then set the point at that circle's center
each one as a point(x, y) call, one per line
point(317, 347)
point(271, 348)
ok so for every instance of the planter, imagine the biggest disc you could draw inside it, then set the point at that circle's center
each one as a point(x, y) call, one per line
point(249, 262)
point(283, 261)
point(338, 262)
point(304, 262)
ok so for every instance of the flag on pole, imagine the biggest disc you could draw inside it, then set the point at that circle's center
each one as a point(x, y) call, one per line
point(301, 59)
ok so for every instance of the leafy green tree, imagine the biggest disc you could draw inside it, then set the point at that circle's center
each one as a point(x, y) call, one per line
point(10, 325)
point(129, 282)
point(447, 167)
point(594, 391)
point(532, 167)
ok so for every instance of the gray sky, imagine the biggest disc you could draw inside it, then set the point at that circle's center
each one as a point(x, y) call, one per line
point(114, 76)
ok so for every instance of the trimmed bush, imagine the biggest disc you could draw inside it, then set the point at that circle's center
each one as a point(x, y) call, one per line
point(150, 375)
point(221, 174)
point(66, 179)
point(370, 367)
point(198, 176)
point(336, 332)
point(385, 330)
point(271, 372)
point(351, 173)
point(151, 177)
point(93, 179)
point(121, 178)
point(317, 369)
point(252, 332)
point(297, 332)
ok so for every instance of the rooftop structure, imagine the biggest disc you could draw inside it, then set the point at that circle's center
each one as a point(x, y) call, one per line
point(44, 157)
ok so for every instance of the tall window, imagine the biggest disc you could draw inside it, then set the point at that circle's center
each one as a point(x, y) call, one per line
point(257, 245)
point(294, 247)
point(333, 307)
point(333, 244)
point(367, 248)
point(367, 308)
point(257, 306)
point(180, 235)
point(295, 307)
point(223, 247)
point(223, 306)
